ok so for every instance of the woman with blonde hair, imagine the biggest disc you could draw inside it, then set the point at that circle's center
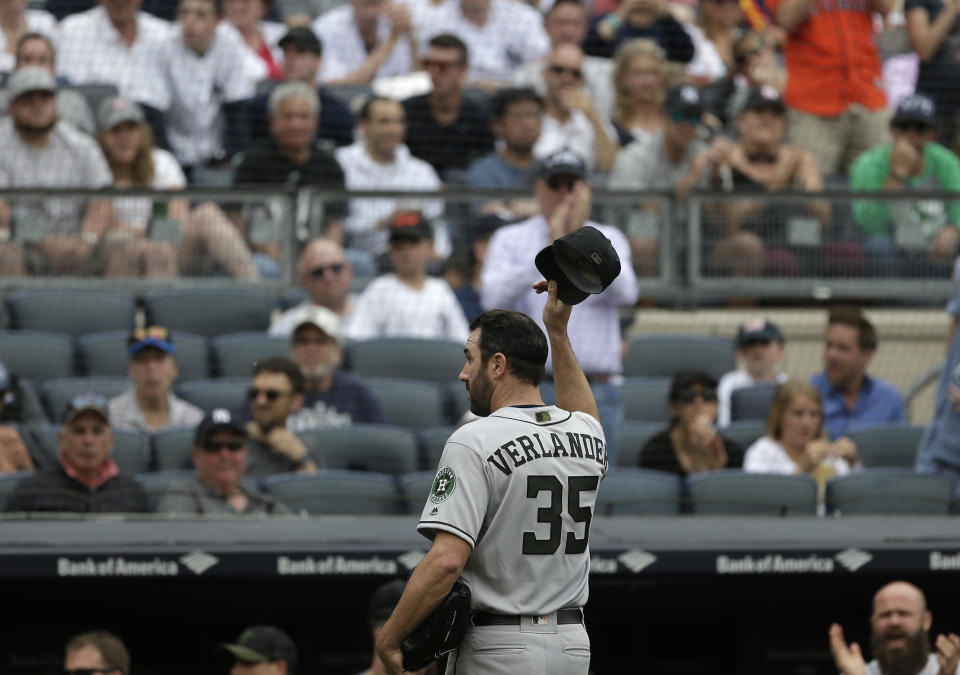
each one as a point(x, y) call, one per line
point(639, 86)
point(183, 236)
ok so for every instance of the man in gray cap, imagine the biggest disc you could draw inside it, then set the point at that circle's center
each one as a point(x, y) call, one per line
point(53, 236)
point(263, 650)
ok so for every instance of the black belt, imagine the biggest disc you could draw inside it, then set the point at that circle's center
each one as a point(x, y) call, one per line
point(564, 617)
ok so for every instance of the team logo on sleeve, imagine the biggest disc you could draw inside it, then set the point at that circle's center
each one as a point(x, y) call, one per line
point(443, 485)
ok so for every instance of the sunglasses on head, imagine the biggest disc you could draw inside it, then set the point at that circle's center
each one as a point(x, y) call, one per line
point(215, 446)
point(271, 394)
point(560, 70)
point(689, 395)
point(557, 182)
point(319, 271)
point(919, 127)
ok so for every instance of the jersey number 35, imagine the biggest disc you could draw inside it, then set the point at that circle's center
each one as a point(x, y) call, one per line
point(552, 513)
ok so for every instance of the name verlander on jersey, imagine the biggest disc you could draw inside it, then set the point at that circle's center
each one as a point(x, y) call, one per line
point(523, 449)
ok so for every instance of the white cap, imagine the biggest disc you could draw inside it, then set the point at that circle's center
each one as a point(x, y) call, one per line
point(323, 318)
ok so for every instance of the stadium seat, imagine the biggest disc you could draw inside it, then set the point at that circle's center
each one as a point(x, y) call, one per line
point(210, 312)
point(156, 483)
point(335, 492)
point(735, 492)
point(235, 355)
point(414, 490)
point(888, 445)
point(8, 483)
point(431, 443)
point(37, 356)
point(645, 399)
point(413, 404)
point(71, 312)
point(106, 354)
point(365, 447)
point(744, 432)
point(56, 394)
point(171, 448)
point(664, 355)
point(432, 360)
point(291, 297)
point(130, 451)
point(458, 401)
point(752, 402)
point(889, 491)
point(227, 392)
point(633, 436)
point(633, 491)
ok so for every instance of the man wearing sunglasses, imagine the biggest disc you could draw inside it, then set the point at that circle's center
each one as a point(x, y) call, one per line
point(84, 479)
point(922, 229)
point(96, 653)
point(220, 457)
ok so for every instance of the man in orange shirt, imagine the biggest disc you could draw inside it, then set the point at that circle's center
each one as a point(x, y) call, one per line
point(837, 105)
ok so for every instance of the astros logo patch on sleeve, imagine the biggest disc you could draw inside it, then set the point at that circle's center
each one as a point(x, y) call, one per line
point(443, 485)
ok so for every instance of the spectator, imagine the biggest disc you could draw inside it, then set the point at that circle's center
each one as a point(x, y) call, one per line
point(276, 394)
point(150, 404)
point(934, 35)
point(193, 85)
point(639, 19)
point(96, 652)
point(122, 34)
point(509, 272)
point(408, 302)
point(220, 456)
point(19, 407)
point(38, 151)
point(464, 273)
point(380, 161)
point(332, 397)
point(755, 67)
point(714, 35)
point(16, 21)
point(795, 441)
point(837, 105)
point(364, 40)
point(35, 49)
point(379, 608)
point(160, 238)
point(500, 35)
point(691, 444)
point(914, 162)
point(84, 479)
point(851, 398)
point(261, 37)
point(566, 23)
point(263, 650)
point(639, 82)
point(325, 274)
point(570, 118)
point(899, 638)
point(447, 128)
point(759, 350)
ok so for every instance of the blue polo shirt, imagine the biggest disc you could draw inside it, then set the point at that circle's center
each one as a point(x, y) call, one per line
point(879, 402)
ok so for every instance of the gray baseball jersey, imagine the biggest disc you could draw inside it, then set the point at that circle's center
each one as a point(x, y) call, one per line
point(520, 486)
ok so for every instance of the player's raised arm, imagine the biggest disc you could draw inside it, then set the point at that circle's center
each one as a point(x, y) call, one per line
point(572, 389)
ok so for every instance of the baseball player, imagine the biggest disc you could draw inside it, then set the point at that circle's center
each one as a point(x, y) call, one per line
point(510, 507)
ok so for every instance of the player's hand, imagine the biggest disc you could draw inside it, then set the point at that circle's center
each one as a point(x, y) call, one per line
point(848, 659)
point(948, 653)
point(556, 313)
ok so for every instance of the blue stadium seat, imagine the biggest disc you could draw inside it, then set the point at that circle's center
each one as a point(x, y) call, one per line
point(227, 392)
point(8, 483)
point(210, 312)
point(364, 447)
point(735, 492)
point(336, 492)
point(645, 399)
point(431, 443)
point(633, 436)
point(752, 402)
point(413, 404)
point(633, 491)
point(35, 355)
point(888, 445)
point(744, 432)
point(171, 448)
point(56, 394)
point(416, 359)
point(130, 449)
point(71, 312)
point(665, 355)
point(414, 490)
point(889, 491)
point(106, 354)
point(235, 355)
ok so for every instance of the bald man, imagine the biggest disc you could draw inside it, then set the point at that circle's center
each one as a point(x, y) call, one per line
point(325, 274)
point(899, 638)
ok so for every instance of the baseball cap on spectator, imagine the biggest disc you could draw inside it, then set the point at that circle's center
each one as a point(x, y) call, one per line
point(157, 337)
point(30, 78)
point(215, 420)
point(323, 318)
point(264, 644)
point(563, 162)
point(88, 402)
point(765, 97)
point(684, 104)
point(383, 601)
point(409, 225)
point(116, 110)
point(758, 329)
point(916, 108)
point(303, 39)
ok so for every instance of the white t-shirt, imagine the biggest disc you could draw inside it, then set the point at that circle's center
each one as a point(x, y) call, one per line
point(576, 133)
point(167, 175)
point(344, 51)
point(91, 50)
point(706, 60)
point(191, 89)
point(768, 456)
point(38, 21)
point(390, 308)
point(735, 379)
point(255, 66)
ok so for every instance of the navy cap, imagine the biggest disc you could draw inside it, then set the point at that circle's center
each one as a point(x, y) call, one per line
point(916, 108)
point(87, 402)
point(409, 225)
point(157, 337)
point(218, 418)
point(764, 97)
point(264, 644)
point(302, 39)
point(684, 104)
point(582, 262)
point(758, 329)
point(563, 162)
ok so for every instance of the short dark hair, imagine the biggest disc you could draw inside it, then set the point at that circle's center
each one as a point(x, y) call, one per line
point(516, 336)
point(217, 5)
point(112, 650)
point(35, 36)
point(283, 365)
point(558, 3)
point(853, 317)
point(684, 379)
point(504, 98)
point(449, 41)
point(364, 113)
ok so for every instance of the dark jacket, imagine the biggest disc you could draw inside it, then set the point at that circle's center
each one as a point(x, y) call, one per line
point(658, 454)
point(53, 490)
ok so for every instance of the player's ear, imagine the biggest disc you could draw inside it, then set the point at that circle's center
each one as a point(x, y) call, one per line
point(499, 364)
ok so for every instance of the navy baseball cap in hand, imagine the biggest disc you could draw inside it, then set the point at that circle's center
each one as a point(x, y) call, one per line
point(582, 262)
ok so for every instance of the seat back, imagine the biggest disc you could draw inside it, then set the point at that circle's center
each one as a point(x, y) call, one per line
point(335, 492)
point(156, 483)
point(415, 489)
point(888, 445)
point(365, 447)
point(171, 448)
point(735, 492)
point(889, 491)
point(8, 483)
point(633, 436)
point(665, 355)
point(407, 403)
point(35, 355)
point(106, 354)
point(227, 392)
point(411, 358)
point(71, 312)
point(633, 491)
point(57, 394)
point(235, 355)
point(210, 312)
point(752, 402)
point(744, 432)
point(645, 399)
point(432, 442)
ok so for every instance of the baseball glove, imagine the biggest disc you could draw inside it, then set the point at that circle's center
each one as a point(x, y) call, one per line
point(440, 632)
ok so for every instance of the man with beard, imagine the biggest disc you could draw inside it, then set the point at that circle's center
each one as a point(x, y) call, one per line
point(851, 398)
point(898, 638)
